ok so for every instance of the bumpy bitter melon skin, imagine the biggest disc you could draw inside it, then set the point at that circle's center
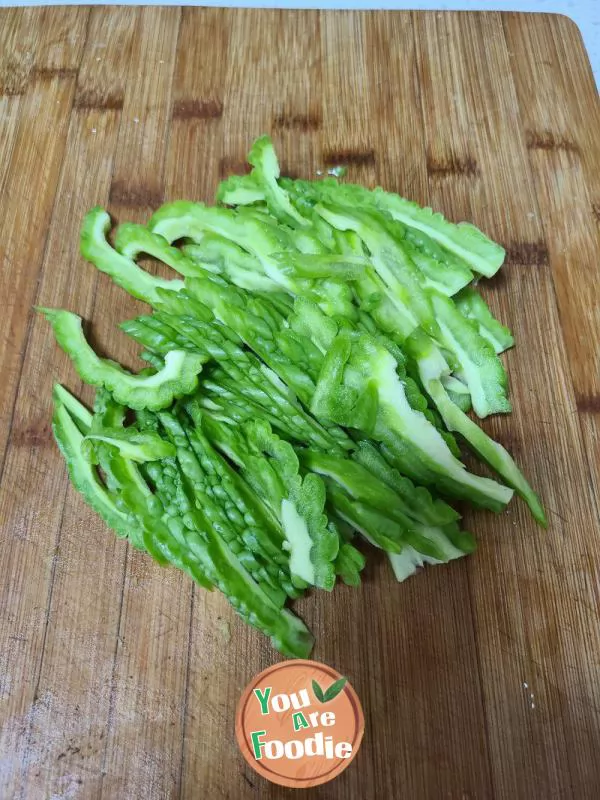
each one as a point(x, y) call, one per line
point(178, 377)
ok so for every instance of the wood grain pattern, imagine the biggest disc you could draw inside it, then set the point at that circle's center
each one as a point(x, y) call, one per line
point(479, 679)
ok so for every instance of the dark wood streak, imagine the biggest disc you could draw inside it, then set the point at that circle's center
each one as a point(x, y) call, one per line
point(198, 109)
point(299, 122)
point(527, 254)
point(48, 73)
point(36, 435)
point(129, 195)
point(596, 211)
point(87, 100)
point(13, 85)
point(289, 171)
point(452, 166)
point(233, 166)
point(545, 140)
point(350, 158)
point(589, 404)
point(15, 77)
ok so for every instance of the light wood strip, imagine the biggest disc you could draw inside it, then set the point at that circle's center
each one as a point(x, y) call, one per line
point(563, 146)
point(26, 204)
point(70, 710)
point(348, 136)
point(20, 34)
point(144, 734)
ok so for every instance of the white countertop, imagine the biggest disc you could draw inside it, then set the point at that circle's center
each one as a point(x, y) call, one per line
point(586, 13)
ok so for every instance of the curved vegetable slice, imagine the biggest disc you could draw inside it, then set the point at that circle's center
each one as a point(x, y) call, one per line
point(178, 377)
point(270, 466)
point(265, 173)
point(432, 370)
point(414, 443)
point(71, 422)
point(139, 446)
point(483, 372)
point(470, 303)
point(490, 451)
point(463, 239)
point(349, 564)
point(227, 571)
point(123, 270)
point(240, 190)
point(133, 240)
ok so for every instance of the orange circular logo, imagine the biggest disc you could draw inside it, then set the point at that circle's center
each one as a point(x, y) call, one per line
point(299, 723)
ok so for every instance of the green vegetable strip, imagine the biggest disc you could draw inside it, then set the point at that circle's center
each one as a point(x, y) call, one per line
point(132, 240)
point(271, 467)
point(177, 378)
point(138, 447)
point(83, 474)
point(441, 271)
point(266, 531)
point(248, 318)
point(349, 564)
point(409, 560)
point(288, 634)
point(483, 371)
point(240, 190)
point(123, 270)
point(472, 305)
point(260, 237)
point(375, 526)
point(490, 451)
point(258, 324)
point(358, 367)
point(362, 502)
point(395, 269)
point(431, 371)
point(131, 511)
point(249, 231)
point(419, 503)
point(259, 385)
point(358, 481)
point(409, 436)
point(223, 400)
point(218, 494)
point(219, 255)
point(434, 275)
point(463, 240)
point(147, 516)
point(265, 173)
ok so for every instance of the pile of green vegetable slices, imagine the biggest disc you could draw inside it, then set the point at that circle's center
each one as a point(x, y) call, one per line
point(310, 376)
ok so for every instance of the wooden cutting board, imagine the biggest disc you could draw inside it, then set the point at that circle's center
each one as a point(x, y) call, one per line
point(479, 679)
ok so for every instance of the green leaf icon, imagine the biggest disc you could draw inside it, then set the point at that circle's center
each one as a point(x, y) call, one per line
point(333, 691)
point(318, 692)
